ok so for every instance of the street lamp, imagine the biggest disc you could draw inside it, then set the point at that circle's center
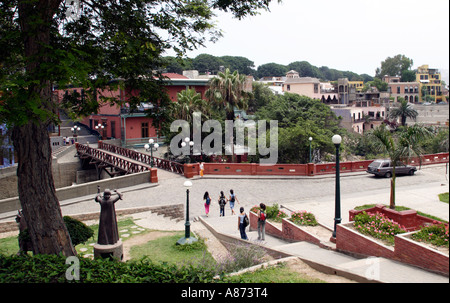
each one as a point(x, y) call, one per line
point(150, 146)
point(310, 142)
point(75, 131)
point(191, 144)
point(187, 239)
point(337, 216)
point(98, 127)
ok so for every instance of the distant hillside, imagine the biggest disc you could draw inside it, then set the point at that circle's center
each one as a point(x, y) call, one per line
point(206, 63)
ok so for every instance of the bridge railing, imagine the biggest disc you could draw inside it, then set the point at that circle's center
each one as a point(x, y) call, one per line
point(170, 166)
point(116, 161)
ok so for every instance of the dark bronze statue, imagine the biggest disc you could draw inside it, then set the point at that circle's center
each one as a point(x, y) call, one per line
point(108, 232)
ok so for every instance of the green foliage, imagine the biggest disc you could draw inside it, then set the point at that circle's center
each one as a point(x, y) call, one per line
point(304, 218)
point(443, 197)
point(436, 234)
point(78, 231)
point(378, 226)
point(52, 268)
point(299, 118)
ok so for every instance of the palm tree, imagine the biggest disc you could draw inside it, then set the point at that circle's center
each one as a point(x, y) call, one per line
point(227, 92)
point(188, 102)
point(402, 146)
point(404, 111)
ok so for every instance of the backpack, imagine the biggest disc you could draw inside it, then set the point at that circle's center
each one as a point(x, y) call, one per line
point(262, 215)
point(208, 201)
point(232, 198)
point(222, 201)
point(246, 221)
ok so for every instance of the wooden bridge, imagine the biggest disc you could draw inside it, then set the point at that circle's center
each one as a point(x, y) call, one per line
point(116, 160)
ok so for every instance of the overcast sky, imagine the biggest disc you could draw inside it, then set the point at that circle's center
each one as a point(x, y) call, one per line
point(353, 35)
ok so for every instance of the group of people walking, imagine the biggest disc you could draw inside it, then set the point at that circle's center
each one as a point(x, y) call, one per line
point(222, 202)
point(243, 220)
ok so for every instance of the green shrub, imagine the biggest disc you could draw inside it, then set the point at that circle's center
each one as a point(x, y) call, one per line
point(378, 226)
point(52, 268)
point(303, 218)
point(78, 231)
point(436, 234)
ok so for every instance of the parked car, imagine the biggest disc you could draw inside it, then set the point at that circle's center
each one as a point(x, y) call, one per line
point(383, 168)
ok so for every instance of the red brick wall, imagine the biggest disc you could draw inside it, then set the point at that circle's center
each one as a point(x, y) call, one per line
point(405, 249)
point(412, 252)
point(353, 241)
point(301, 169)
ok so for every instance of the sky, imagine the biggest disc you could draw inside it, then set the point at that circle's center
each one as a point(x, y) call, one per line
point(347, 35)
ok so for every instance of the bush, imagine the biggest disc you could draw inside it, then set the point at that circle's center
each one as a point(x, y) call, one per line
point(378, 226)
point(52, 268)
point(436, 234)
point(78, 231)
point(303, 218)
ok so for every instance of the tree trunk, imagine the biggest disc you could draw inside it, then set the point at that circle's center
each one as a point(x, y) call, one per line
point(392, 196)
point(37, 194)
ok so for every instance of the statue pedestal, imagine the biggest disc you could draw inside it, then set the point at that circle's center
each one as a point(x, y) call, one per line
point(113, 251)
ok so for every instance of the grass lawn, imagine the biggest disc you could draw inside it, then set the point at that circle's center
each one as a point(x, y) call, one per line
point(443, 197)
point(279, 273)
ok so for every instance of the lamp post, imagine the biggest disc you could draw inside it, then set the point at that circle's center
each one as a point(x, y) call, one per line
point(100, 127)
point(75, 131)
point(337, 216)
point(150, 146)
point(191, 144)
point(310, 142)
point(187, 239)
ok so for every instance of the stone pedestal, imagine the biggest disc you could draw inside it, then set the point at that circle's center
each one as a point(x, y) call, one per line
point(113, 251)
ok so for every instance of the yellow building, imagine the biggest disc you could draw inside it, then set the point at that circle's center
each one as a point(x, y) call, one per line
point(358, 85)
point(430, 84)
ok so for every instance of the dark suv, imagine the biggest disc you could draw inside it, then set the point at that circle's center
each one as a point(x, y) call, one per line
point(384, 168)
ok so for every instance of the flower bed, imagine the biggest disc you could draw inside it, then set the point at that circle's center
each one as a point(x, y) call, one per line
point(361, 237)
point(436, 234)
point(303, 218)
point(378, 226)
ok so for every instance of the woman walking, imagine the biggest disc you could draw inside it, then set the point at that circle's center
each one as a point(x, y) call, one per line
point(241, 224)
point(232, 200)
point(261, 222)
point(222, 202)
point(207, 199)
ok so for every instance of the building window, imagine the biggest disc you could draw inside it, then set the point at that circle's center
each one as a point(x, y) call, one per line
point(316, 88)
point(288, 88)
point(398, 89)
point(144, 133)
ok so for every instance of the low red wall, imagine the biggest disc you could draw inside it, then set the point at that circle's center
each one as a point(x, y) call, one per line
point(407, 218)
point(289, 230)
point(311, 169)
point(405, 250)
point(355, 242)
point(415, 253)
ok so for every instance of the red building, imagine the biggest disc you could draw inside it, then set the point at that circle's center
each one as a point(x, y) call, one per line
point(134, 127)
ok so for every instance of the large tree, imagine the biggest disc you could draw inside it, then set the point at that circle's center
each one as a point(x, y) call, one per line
point(394, 66)
point(94, 45)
